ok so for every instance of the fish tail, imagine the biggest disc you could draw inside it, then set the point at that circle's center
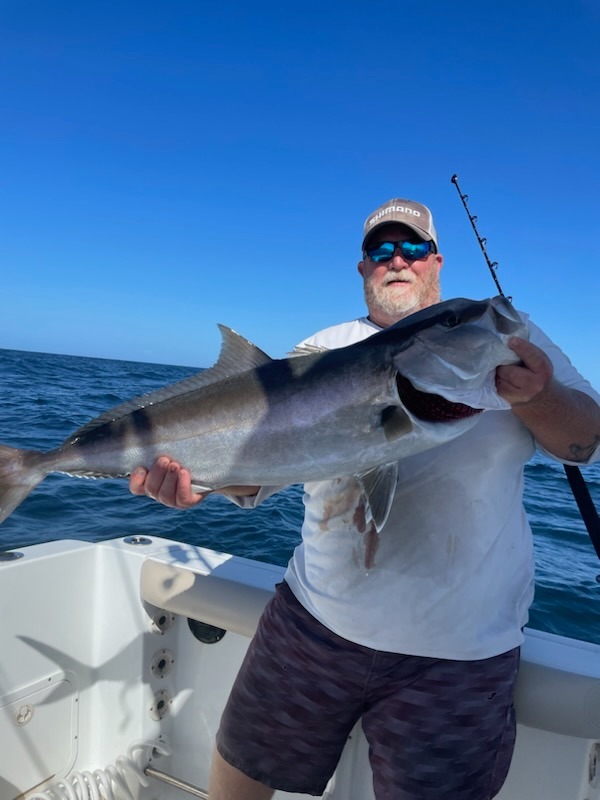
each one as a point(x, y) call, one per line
point(18, 476)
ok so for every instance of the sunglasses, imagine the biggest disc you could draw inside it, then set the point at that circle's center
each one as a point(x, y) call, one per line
point(412, 251)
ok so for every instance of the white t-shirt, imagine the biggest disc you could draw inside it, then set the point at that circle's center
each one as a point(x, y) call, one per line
point(451, 575)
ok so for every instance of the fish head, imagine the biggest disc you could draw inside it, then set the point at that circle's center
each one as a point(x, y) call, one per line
point(454, 348)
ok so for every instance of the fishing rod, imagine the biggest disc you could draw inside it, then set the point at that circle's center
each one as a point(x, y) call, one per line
point(492, 265)
point(581, 493)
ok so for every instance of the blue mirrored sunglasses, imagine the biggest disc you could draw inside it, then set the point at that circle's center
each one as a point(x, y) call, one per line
point(412, 251)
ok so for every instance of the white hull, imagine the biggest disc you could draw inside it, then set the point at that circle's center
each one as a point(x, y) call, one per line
point(85, 671)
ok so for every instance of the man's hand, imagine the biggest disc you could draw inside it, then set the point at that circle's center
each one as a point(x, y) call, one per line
point(524, 383)
point(171, 484)
point(566, 422)
point(166, 481)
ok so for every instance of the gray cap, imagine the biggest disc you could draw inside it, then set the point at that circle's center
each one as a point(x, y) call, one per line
point(414, 215)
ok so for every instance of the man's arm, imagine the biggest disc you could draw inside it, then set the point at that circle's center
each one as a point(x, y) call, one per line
point(564, 421)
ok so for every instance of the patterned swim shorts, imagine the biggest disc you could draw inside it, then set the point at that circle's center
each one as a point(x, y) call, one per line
point(437, 729)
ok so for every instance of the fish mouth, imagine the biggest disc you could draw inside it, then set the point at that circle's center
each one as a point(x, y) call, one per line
point(431, 407)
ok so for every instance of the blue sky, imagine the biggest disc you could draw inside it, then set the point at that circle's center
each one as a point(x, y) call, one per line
point(166, 166)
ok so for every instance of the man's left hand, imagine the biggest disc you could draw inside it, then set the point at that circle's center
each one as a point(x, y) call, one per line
point(524, 383)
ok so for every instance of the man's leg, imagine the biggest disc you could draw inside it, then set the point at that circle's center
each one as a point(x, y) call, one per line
point(444, 732)
point(228, 783)
point(296, 698)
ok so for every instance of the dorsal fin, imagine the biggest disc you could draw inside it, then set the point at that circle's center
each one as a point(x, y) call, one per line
point(237, 355)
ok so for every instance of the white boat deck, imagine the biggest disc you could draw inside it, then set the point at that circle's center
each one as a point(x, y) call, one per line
point(97, 653)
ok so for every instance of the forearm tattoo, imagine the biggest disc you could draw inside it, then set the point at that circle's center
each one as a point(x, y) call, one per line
point(581, 452)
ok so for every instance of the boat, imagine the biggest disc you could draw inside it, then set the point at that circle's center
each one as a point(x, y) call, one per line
point(116, 659)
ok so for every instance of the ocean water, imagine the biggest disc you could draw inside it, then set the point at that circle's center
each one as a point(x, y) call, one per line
point(45, 397)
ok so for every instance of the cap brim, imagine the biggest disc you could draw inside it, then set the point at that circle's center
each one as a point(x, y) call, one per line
point(423, 234)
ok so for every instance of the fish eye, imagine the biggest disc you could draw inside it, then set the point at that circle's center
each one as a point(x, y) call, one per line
point(452, 320)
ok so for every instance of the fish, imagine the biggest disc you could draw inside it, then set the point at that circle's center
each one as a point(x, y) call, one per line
point(314, 415)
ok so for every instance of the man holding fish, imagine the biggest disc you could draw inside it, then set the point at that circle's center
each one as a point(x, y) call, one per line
point(403, 606)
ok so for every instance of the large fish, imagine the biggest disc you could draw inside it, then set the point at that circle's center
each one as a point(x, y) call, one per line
point(251, 420)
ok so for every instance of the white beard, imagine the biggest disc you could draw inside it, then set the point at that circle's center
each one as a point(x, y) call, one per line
point(401, 300)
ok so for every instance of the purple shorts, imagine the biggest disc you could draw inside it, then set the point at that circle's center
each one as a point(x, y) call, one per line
point(437, 729)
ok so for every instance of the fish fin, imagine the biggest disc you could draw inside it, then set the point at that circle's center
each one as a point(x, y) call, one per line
point(17, 478)
point(395, 423)
point(307, 350)
point(237, 355)
point(199, 488)
point(379, 488)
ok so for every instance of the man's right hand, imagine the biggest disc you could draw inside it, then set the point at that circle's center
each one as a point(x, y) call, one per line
point(171, 484)
point(166, 481)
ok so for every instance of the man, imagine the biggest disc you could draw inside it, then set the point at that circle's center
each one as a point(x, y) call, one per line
point(416, 631)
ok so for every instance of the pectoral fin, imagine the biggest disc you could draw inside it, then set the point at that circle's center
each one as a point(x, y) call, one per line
point(379, 488)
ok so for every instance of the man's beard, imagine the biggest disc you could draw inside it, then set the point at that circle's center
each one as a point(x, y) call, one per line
point(414, 294)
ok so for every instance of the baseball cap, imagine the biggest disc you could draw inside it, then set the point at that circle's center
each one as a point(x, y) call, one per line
point(414, 215)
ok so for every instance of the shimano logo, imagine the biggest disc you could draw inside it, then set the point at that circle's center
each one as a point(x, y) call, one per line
point(390, 210)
